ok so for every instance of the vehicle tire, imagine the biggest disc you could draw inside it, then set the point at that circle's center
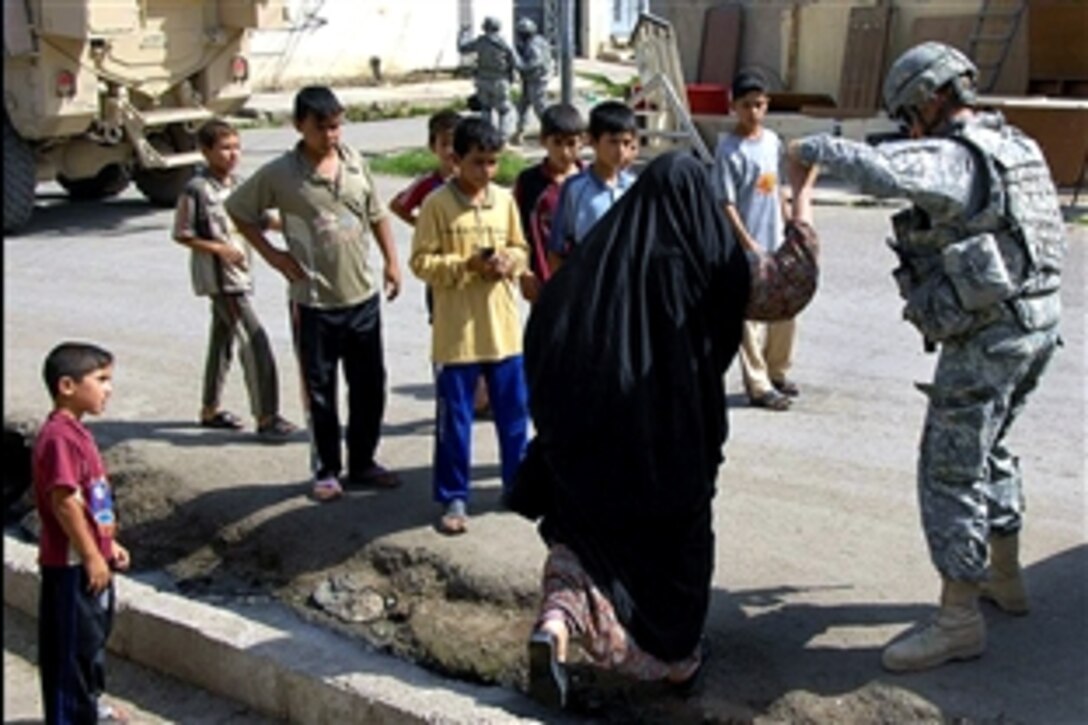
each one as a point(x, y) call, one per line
point(162, 187)
point(20, 177)
point(111, 180)
point(17, 467)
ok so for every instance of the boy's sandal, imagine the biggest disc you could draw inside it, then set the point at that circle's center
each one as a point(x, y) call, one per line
point(223, 420)
point(327, 489)
point(771, 400)
point(376, 476)
point(453, 524)
point(277, 429)
point(111, 714)
point(786, 387)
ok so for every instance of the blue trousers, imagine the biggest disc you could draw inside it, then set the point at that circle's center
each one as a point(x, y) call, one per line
point(73, 626)
point(455, 387)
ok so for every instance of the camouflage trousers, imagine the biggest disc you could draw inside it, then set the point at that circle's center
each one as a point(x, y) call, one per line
point(534, 92)
point(969, 483)
point(494, 96)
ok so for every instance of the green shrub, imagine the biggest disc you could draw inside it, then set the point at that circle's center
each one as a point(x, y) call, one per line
point(417, 161)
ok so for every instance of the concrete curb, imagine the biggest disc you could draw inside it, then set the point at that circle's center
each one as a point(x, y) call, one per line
point(263, 656)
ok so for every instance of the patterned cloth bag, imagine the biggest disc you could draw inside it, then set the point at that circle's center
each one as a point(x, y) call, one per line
point(783, 283)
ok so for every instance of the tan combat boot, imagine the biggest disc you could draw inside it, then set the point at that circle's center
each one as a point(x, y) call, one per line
point(1005, 587)
point(956, 633)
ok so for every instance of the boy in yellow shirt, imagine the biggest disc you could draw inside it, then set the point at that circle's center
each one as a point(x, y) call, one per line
point(468, 246)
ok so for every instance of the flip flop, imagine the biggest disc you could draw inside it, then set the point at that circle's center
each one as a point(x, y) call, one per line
point(276, 430)
point(224, 420)
point(376, 476)
point(453, 524)
point(771, 400)
point(455, 520)
point(548, 681)
point(786, 387)
point(327, 489)
point(111, 714)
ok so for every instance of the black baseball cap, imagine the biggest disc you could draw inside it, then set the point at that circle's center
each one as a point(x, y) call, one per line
point(747, 81)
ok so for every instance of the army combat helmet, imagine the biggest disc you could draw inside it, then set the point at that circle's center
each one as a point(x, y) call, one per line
point(526, 27)
point(492, 24)
point(916, 76)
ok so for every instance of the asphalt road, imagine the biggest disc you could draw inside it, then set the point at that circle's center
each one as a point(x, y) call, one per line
point(820, 559)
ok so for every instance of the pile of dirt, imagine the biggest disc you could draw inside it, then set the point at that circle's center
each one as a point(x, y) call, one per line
point(415, 605)
point(410, 603)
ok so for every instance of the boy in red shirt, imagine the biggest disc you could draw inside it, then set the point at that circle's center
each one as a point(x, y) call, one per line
point(77, 551)
point(440, 141)
point(537, 187)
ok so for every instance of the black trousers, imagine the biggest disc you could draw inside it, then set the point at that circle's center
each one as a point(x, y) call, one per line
point(323, 340)
point(73, 626)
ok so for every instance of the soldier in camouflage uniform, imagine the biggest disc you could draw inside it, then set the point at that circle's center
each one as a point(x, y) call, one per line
point(980, 257)
point(534, 67)
point(495, 66)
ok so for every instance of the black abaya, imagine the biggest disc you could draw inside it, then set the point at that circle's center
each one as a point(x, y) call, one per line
point(625, 354)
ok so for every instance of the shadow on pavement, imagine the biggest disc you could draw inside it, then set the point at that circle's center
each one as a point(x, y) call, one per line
point(1034, 668)
point(59, 215)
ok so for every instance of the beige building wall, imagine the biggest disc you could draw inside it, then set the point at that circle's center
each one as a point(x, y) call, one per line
point(822, 29)
point(801, 44)
point(333, 41)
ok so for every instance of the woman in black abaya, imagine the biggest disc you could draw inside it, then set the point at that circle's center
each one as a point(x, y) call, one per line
point(625, 353)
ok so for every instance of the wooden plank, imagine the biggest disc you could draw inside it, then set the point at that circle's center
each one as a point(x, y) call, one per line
point(787, 101)
point(836, 112)
point(863, 62)
point(721, 45)
point(954, 30)
point(1057, 125)
point(1058, 50)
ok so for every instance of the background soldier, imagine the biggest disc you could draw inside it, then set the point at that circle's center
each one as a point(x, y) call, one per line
point(535, 63)
point(981, 252)
point(495, 65)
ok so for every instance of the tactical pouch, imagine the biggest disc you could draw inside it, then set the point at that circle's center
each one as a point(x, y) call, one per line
point(933, 306)
point(977, 272)
point(1038, 313)
point(904, 280)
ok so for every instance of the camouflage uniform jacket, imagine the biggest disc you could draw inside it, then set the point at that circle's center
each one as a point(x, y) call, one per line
point(535, 57)
point(495, 59)
point(984, 238)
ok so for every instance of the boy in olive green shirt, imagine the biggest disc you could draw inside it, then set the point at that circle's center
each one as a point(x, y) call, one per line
point(326, 199)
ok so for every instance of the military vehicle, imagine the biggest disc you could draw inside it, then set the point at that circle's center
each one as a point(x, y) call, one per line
point(98, 93)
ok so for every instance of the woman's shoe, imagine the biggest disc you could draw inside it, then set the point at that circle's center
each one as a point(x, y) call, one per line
point(548, 681)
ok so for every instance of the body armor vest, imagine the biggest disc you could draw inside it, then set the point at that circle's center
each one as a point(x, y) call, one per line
point(962, 274)
point(494, 59)
point(535, 57)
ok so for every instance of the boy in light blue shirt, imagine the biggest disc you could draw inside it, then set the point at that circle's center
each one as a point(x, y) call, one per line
point(588, 195)
point(747, 167)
